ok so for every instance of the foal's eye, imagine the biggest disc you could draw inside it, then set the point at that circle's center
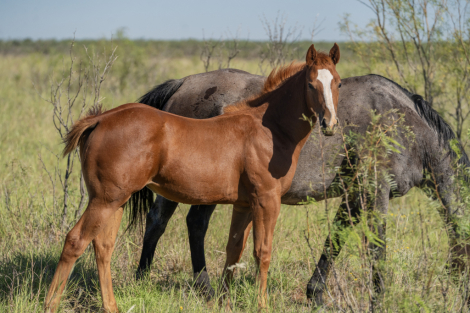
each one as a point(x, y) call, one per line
point(339, 86)
point(310, 86)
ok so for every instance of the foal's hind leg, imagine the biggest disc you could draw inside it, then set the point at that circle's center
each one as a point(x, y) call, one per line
point(104, 247)
point(93, 219)
point(157, 219)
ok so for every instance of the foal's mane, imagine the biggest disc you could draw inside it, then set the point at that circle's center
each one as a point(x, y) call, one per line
point(276, 78)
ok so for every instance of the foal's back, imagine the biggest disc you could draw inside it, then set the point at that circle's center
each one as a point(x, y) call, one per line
point(170, 152)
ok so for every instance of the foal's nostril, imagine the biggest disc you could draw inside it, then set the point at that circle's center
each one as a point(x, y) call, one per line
point(323, 123)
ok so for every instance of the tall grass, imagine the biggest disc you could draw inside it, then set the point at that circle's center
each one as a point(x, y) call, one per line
point(31, 238)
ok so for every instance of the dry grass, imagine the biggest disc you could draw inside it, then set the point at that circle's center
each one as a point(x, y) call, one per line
point(31, 239)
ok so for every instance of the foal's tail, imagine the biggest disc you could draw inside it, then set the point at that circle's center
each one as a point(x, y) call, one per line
point(81, 129)
point(140, 201)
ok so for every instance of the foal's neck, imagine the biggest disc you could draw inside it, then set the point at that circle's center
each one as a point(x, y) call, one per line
point(284, 108)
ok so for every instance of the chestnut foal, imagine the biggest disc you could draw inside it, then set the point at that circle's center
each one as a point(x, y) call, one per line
point(246, 157)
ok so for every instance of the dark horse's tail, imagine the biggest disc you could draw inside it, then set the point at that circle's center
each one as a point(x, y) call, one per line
point(77, 136)
point(160, 94)
point(141, 201)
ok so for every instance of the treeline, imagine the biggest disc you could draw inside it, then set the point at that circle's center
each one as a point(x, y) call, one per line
point(167, 48)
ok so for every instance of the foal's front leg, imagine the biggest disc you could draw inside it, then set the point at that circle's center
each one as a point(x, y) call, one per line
point(266, 210)
point(239, 230)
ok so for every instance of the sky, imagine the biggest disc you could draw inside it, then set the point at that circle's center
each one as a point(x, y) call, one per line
point(173, 19)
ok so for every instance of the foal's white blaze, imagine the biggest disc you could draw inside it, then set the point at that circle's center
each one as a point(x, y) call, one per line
point(326, 77)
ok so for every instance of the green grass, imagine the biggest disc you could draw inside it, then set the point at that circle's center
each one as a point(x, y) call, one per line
point(31, 240)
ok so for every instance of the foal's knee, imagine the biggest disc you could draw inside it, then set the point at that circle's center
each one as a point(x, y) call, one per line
point(262, 259)
point(73, 247)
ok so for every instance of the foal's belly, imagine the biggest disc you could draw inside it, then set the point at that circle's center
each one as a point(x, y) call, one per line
point(194, 192)
point(198, 181)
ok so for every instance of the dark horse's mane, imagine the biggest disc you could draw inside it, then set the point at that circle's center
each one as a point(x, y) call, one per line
point(160, 94)
point(436, 122)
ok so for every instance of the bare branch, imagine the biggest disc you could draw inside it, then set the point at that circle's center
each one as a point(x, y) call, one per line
point(207, 51)
point(74, 86)
point(279, 47)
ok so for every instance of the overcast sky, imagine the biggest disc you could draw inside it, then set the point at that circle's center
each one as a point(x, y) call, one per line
point(171, 19)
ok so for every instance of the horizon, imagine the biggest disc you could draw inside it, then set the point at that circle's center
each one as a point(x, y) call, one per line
point(157, 40)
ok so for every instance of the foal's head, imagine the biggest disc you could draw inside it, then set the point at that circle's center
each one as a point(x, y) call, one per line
point(323, 86)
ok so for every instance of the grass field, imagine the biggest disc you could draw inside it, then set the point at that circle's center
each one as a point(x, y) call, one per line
point(31, 238)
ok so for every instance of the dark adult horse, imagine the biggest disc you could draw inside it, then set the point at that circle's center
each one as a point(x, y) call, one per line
point(204, 95)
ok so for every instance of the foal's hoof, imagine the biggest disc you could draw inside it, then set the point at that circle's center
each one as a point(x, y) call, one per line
point(203, 286)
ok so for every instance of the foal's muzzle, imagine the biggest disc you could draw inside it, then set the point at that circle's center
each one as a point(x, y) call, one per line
point(327, 131)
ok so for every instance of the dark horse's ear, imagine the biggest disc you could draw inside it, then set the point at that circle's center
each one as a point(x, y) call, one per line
point(334, 54)
point(311, 56)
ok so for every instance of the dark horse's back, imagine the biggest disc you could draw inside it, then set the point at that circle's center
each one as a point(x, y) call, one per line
point(204, 95)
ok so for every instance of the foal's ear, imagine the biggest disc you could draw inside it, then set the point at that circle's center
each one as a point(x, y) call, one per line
point(334, 54)
point(311, 56)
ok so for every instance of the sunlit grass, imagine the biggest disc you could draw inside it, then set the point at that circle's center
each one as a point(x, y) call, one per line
point(31, 240)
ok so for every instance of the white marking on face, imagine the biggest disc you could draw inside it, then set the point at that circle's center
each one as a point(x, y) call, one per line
point(326, 77)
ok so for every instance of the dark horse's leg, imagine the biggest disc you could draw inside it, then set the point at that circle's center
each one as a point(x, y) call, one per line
point(157, 219)
point(198, 222)
point(379, 251)
point(348, 216)
point(459, 264)
point(316, 285)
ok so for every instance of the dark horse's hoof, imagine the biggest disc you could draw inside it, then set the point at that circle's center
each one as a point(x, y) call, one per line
point(203, 286)
point(315, 292)
point(140, 273)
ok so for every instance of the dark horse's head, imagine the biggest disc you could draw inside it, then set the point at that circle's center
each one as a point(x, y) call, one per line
point(323, 86)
